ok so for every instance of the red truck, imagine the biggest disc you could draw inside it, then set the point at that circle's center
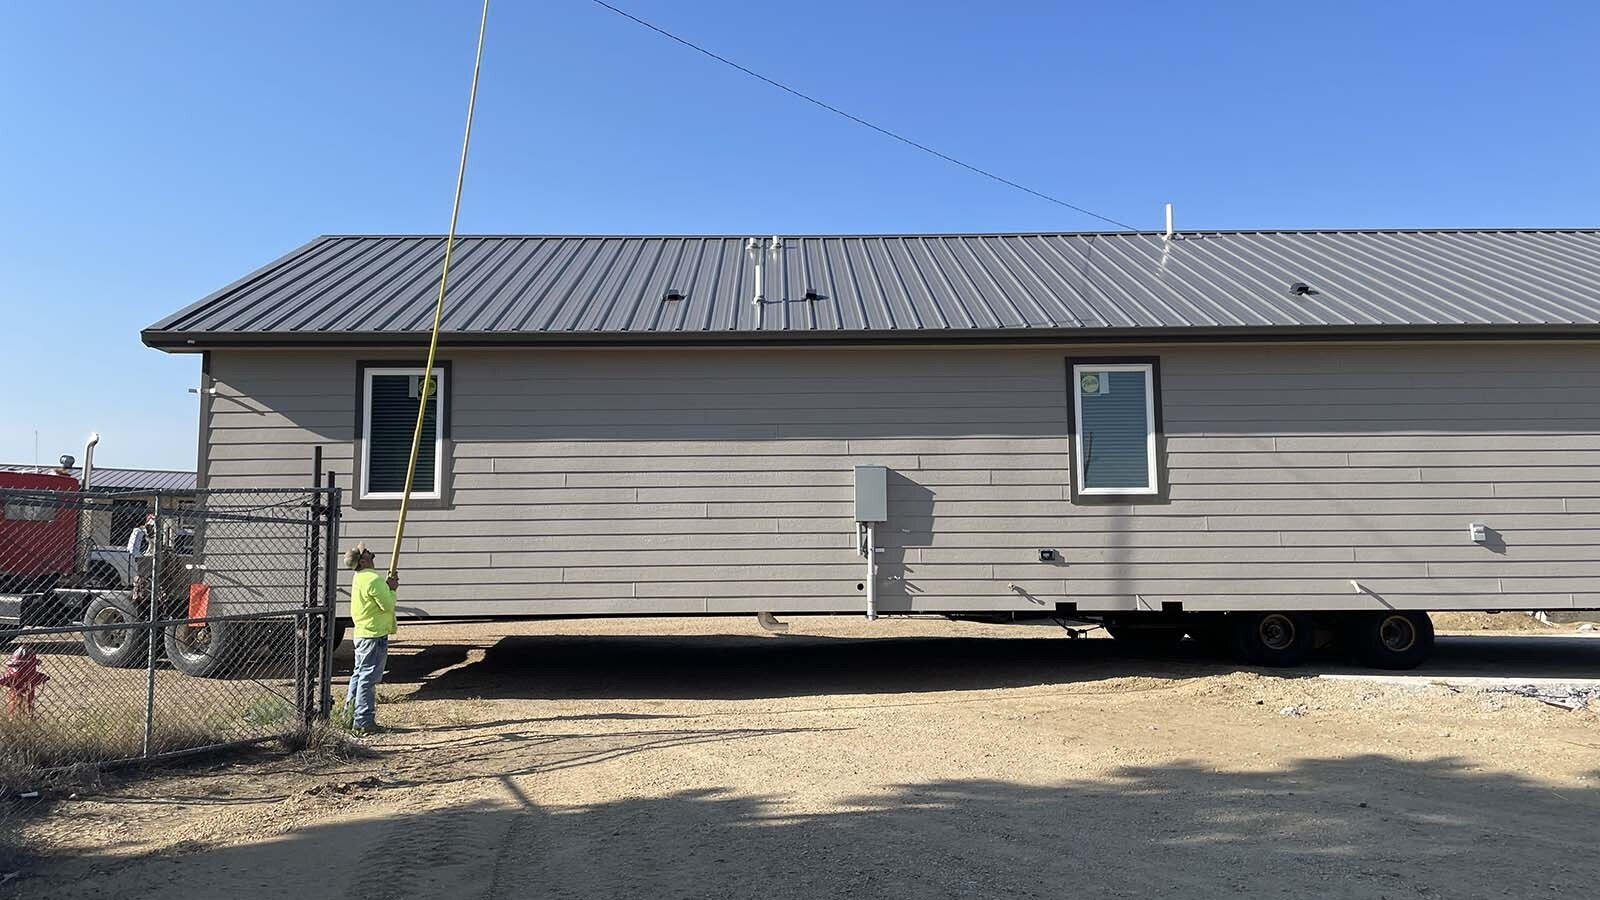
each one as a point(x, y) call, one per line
point(38, 533)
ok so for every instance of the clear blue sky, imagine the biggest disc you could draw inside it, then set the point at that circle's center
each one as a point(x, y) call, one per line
point(153, 152)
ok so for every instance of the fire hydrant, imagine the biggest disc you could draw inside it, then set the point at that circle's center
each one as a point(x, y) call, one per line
point(22, 680)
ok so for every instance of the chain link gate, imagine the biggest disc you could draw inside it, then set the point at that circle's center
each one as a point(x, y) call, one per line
point(148, 625)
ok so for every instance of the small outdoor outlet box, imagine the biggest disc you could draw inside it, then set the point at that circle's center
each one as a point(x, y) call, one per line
point(1479, 532)
point(872, 494)
point(1047, 556)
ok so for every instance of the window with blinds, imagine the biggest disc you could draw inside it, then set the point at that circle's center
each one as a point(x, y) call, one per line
point(391, 397)
point(1114, 441)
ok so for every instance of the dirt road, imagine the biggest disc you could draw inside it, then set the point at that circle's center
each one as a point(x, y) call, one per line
point(703, 758)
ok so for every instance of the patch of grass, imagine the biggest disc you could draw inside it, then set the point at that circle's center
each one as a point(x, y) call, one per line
point(269, 710)
point(29, 744)
point(328, 741)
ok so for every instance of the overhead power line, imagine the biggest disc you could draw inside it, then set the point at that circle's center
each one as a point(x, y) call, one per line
point(860, 121)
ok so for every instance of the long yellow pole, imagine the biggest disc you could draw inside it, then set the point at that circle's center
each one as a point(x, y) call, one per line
point(426, 386)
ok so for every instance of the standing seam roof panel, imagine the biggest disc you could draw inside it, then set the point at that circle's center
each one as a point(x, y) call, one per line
point(940, 284)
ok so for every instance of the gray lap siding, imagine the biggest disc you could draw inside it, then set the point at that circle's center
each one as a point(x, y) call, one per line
point(719, 480)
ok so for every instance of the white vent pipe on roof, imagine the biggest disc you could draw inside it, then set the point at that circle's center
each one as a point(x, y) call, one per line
point(753, 246)
point(1168, 235)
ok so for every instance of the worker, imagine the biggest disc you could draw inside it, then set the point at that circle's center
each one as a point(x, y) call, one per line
point(141, 556)
point(372, 602)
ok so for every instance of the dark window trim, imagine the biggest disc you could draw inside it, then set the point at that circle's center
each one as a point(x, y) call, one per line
point(1161, 493)
point(358, 446)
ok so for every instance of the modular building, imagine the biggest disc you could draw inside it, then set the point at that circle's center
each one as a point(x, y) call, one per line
point(1246, 436)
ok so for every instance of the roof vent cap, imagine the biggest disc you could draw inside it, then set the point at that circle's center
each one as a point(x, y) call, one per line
point(673, 294)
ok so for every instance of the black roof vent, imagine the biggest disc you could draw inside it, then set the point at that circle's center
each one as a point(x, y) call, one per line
point(673, 294)
point(1300, 289)
point(813, 294)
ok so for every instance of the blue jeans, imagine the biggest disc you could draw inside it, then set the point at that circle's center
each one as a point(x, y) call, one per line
point(371, 654)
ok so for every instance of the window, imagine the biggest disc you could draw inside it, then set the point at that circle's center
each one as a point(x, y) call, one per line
point(25, 509)
point(389, 404)
point(1114, 433)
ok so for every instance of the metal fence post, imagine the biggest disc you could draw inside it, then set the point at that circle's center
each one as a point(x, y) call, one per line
point(153, 598)
point(330, 592)
point(307, 663)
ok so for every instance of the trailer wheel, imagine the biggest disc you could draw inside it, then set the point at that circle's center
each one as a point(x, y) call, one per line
point(117, 648)
point(1391, 639)
point(204, 650)
point(1273, 638)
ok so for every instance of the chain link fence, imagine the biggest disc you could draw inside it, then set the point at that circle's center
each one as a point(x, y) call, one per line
point(141, 626)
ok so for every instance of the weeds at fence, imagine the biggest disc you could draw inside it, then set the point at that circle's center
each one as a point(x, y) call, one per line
point(29, 745)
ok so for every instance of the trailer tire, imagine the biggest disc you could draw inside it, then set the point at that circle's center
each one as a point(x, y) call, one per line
point(127, 648)
point(1278, 639)
point(206, 650)
point(1391, 639)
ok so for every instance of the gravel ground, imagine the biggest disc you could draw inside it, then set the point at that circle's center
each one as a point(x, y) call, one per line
point(704, 758)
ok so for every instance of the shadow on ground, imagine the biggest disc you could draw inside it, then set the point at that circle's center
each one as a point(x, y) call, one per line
point(1360, 827)
point(737, 667)
point(733, 667)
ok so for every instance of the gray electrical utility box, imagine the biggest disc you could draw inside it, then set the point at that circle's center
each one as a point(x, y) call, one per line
point(872, 494)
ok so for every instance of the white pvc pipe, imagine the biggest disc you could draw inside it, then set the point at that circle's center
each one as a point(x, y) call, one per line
point(872, 574)
point(1168, 235)
point(755, 247)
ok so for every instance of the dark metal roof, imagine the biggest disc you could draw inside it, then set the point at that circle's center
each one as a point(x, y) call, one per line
point(612, 289)
point(133, 480)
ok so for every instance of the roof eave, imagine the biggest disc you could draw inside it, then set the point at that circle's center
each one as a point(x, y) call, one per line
point(196, 341)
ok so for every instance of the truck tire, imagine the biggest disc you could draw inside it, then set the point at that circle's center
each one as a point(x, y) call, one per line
point(205, 650)
point(1278, 639)
point(126, 648)
point(1391, 639)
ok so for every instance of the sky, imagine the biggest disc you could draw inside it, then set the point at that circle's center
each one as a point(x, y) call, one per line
point(151, 153)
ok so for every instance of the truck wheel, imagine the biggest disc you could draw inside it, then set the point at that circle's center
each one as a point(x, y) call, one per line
point(1391, 639)
point(1273, 638)
point(205, 650)
point(117, 648)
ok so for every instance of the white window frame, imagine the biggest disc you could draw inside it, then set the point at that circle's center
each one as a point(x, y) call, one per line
point(1080, 462)
point(438, 435)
